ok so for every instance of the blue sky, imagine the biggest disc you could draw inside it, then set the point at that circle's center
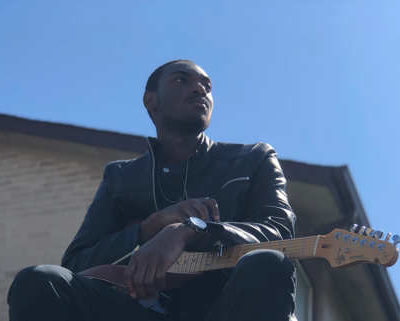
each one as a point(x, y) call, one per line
point(317, 79)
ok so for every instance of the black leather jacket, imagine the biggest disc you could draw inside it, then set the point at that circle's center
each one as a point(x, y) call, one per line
point(246, 180)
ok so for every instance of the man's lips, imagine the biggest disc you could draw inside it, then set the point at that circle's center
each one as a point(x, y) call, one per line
point(199, 100)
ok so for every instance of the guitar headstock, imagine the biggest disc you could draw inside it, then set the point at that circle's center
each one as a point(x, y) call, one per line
point(360, 244)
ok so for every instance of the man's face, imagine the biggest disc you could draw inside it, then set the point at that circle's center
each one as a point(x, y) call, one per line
point(184, 99)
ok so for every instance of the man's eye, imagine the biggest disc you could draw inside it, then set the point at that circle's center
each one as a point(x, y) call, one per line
point(180, 79)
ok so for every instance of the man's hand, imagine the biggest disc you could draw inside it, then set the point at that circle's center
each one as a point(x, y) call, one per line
point(147, 268)
point(204, 208)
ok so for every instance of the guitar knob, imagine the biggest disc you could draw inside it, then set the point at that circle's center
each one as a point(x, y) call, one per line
point(354, 228)
point(338, 235)
point(388, 236)
point(381, 246)
point(379, 234)
point(362, 230)
point(396, 239)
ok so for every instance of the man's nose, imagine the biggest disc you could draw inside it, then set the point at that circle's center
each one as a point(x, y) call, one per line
point(199, 88)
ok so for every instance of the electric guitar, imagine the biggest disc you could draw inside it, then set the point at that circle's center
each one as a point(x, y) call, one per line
point(339, 248)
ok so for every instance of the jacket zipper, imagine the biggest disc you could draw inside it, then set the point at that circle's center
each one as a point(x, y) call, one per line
point(237, 179)
point(153, 169)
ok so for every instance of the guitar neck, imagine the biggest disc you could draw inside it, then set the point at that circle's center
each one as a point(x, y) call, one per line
point(194, 262)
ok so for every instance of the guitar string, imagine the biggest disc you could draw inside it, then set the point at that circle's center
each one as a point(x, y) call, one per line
point(294, 251)
point(294, 241)
point(291, 247)
point(301, 248)
point(198, 257)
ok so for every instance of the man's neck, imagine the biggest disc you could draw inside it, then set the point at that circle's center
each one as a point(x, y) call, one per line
point(174, 148)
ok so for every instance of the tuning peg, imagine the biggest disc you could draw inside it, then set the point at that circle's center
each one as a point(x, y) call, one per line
point(396, 239)
point(362, 230)
point(379, 234)
point(338, 235)
point(354, 228)
point(372, 234)
point(387, 238)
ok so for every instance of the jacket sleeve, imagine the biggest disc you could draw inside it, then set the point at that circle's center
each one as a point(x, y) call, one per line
point(268, 215)
point(102, 238)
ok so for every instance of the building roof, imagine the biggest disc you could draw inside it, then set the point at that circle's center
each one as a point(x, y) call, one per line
point(71, 133)
point(324, 197)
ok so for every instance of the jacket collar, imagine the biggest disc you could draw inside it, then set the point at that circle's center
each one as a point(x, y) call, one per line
point(203, 147)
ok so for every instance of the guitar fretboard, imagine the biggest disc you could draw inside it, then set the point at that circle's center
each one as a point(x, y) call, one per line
point(192, 262)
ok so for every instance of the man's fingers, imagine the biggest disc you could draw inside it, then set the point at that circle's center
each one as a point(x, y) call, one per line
point(204, 208)
point(128, 276)
point(213, 210)
point(160, 280)
point(132, 293)
point(200, 210)
point(138, 281)
point(149, 286)
point(156, 255)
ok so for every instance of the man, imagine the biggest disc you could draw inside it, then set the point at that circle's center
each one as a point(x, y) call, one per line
point(152, 201)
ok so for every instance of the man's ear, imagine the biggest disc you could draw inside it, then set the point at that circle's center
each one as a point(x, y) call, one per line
point(151, 103)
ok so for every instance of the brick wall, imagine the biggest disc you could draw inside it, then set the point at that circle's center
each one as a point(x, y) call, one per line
point(45, 188)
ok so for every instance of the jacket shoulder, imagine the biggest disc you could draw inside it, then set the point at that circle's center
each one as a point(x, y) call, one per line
point(231, 150)
point(121, 167)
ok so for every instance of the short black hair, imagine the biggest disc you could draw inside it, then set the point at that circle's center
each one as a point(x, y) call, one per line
point(152, 81)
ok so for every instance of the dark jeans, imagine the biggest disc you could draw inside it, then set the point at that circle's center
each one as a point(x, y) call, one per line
point(260, 287)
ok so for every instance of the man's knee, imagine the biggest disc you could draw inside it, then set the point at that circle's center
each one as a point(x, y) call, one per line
point(32, 280)
point(266, 262)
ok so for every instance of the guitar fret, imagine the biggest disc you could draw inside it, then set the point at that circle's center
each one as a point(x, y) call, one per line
point(202, 261)
point(193, 260)
point(187, 263)
point(198, 261)
point(191, 263)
